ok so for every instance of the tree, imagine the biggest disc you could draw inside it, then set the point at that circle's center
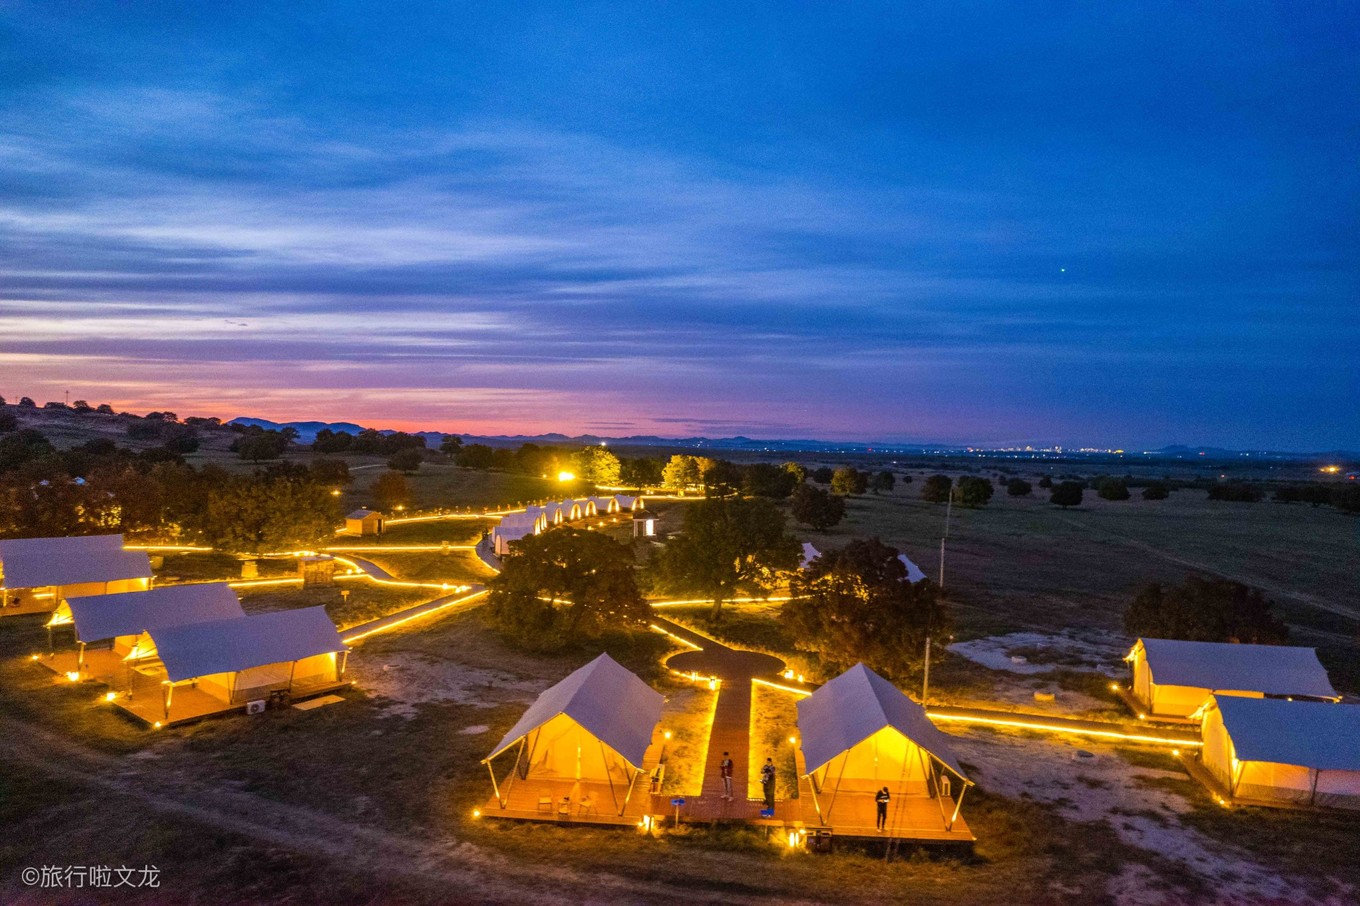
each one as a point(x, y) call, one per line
point(721, 478)
point(565, 586)
point(823, 474)
point(330, 472)
point(975, 492)
point(883, 482)
point(596, 465)
point(936, 488)
point(797, 470)
point(390, 491)
point(849, 482)
point(26, 402)
point(21, 447)
point(681, 473)
point(816, 508)
point(257, 447)
point(104, 409)
point(407, 460)
point(1205, 610)
point(642, 472)
point(1112, 489)
point(856, 604)
point(763, 479)
point(8, 421)
point(450, 445)
point(728, 546)
point(82, 406)
point(1067, 494)
point(256, 514)
point(1156, 491)
point(1045, 482)
point(1018, 487)
point(476, 456)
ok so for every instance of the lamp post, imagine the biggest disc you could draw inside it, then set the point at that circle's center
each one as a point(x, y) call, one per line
point(925, 681)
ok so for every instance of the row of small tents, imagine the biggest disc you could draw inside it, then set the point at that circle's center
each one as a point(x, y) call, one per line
point(194, 636)
point(536, 519)
point(857, 733)
point(1273, 728)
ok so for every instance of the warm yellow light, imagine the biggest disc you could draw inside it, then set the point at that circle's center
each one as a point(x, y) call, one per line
point(335, 493)
point(476, 813)
point(1331, 470)
point(73, 676)
point(566, 476)
point(793, 839)
point(32, 657)
point(788, 674)
point(1142, 717)
point(1114, 687)
point(156, 725)
point(1176, 752)
point(110, 696)
point(666, 735)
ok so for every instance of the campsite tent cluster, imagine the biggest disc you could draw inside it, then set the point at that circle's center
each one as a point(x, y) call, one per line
point(1272, 729)
point(170, 653)
point(535, 520)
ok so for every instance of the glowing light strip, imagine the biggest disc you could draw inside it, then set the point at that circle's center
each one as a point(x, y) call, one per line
point(432, 548)
point(399, 583)
point(774, 600)
point(166, 547)
point(1078, 731)
point(682, 641)
point(351, 639)
point(251, 583)
point(780, 686)
point(486, 514)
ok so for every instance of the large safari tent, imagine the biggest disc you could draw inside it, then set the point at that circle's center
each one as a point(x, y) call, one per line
point(1275, 751)
point(189, 671)
point(1174, 678)
point(37, 574)
point(858, 734)
point(107, 627)
point(581, 750)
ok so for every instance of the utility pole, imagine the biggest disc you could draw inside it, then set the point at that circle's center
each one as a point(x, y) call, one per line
point(925, 682)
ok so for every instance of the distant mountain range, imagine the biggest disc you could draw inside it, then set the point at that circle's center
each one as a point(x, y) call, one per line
point(307, 432)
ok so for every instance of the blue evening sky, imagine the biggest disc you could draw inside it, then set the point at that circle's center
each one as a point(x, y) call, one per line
point(1101, 224)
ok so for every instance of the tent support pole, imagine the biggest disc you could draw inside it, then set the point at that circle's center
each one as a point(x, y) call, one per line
point(1312, 796)
point(494, 785)
point(169, 694)
point(816, 804)
point(80, 658)
point(957, 805)
point(608, 774)
point(845, 758)
point(292, 670)
point(344, 664)
point(629, 795)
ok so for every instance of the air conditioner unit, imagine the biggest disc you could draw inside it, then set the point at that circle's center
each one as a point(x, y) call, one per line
point(256, 707)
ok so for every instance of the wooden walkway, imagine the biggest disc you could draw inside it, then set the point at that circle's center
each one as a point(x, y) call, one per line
point(442, 606)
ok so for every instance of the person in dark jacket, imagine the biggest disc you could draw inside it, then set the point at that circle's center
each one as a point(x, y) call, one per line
point(767, 782)
point(882, 800)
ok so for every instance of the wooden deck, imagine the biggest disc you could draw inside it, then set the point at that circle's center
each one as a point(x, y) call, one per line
point(187, 703)
point(913, 818)
point(1137, 707)
point(99, 664)
point(571, 802)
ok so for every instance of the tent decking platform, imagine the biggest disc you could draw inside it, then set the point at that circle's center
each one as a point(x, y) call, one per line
point(1137, 707)
point(535, 799)
point(911, 818)
point(100, 664)
point(190, 704)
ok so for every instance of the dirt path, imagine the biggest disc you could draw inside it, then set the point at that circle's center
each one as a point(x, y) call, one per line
point(452, 869)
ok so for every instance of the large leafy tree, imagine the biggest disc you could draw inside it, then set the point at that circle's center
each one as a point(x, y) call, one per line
point(391, 490)
point(596, 465)
point(815, 507)
point(563, 587)
point(849, 482)
point(682, 472)
point(1205, 610)
point(727, 546)
point(856, 604)
point(974, 491)
point(936, 488)
point(1066, 494)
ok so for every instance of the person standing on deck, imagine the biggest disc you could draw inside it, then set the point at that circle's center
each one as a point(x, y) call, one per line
point(882, 800)
point(767, 782)
point(725, 769)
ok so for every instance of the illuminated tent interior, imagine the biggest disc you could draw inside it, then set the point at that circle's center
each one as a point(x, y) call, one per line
point(244, 658)
point(1291, 752)
point(37, 574)
point(859, 733)
point(1175, 678)
point(592, 729)
point(120, 619)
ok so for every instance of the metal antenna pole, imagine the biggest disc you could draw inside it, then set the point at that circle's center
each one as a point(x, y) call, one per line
point(925, 681)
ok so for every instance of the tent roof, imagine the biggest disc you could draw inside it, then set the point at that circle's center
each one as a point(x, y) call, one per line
point(363, 514)
point(239, 643)
point(1320, 735)
point(1269, 669)
point(914, 573)
point(810, 553)
point(856, 705)
point(132, 613)
point(607, 700)
point(40, 562)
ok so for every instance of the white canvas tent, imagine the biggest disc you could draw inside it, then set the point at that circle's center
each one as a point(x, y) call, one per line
point(1300, 752)
point(1174, 678)
point(122, 618)
point(37, 574)
point(914, 573)
point(245, 658)
point(859, 733)
point(592, 727)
